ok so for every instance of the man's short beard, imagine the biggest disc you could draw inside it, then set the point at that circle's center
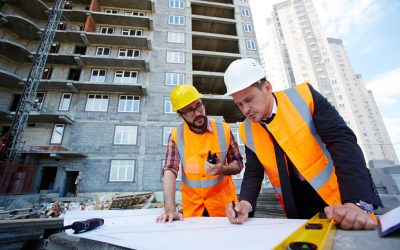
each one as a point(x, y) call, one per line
point(193, 124)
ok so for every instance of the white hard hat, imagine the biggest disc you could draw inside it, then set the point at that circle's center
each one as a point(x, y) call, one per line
point(241, 74)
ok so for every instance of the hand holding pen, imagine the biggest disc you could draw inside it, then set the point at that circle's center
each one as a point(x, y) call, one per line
point(238, 212)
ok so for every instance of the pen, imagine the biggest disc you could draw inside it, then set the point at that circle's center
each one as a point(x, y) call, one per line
point(236, 213)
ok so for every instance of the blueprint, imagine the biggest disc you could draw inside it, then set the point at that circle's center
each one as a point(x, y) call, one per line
point(137, 229)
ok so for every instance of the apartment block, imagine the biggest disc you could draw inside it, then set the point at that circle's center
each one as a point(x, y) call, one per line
point(298, 51)
point(102, 109)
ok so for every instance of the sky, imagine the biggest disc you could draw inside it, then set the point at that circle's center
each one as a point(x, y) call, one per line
point(370, 31)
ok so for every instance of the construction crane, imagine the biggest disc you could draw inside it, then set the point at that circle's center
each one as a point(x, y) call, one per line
point(11, 142)
point(28, 96)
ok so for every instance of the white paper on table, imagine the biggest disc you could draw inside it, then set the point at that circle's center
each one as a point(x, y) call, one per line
point(137, 229)
point(389, 222)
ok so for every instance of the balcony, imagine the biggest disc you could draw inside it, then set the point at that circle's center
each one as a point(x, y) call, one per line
point(211, 61)
point(134, 89)
point(213, 9)
point(44, 114)
point(23, 27)
point(57, 152)
point(98, 61)
point(49, 113)
point(10, 81)
point(217, 43)
point(34, 8)
point(144, 5)
point(214, 25)
point(14, 52)
point(139, 42)
point(64, 85)
point(222, 106)
point(209, 83)
point(122, 20)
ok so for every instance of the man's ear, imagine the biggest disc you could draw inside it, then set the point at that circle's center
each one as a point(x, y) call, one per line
point(268, 86)
point(179, 114)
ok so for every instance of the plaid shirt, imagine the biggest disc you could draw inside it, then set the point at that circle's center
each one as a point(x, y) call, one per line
point(172, 158)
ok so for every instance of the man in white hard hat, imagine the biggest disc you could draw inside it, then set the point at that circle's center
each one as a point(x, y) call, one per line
point(207, 185)
point(310, 155)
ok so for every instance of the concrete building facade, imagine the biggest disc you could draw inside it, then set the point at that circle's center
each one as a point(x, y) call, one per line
point(297, 51)
point(102, 109)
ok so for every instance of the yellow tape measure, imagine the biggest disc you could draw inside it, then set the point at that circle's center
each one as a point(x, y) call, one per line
point(317, 233)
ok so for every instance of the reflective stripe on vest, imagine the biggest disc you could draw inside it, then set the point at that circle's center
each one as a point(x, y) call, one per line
point(181, 149)
point(319, 180)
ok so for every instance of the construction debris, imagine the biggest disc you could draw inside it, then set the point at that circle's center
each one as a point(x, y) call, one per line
point(33, 223)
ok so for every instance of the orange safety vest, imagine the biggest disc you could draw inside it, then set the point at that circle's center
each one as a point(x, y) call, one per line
point(294, 130)
point(199, 189)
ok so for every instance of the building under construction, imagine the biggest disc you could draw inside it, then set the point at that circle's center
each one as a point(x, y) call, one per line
point(101, 110)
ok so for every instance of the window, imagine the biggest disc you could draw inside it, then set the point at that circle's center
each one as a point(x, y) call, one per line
point(131, 32)
point(47, 73)
point(176, 4)
point(176, 20)
point(173, 79)
point(166, 132)
point(176, 37)
point(57, 135)
point(245, 12)
point(168, 105)
point(122, 76)
point(125, 135)
point(98, 75)
point(68, 5)
point(250, 44)
point(103, 51)
point(106, 30)
point(97, 102)
point(80, 50)
point(55, 47)
point(248, 27)
point(135, 13)
point(128, 103)
point(111, 11)
point(74, 74)
point(39, 99)
point(65, 101)
point(122, 170)
point(129, 53)
point(175, 57)
point(62, 26)
point(14, 103)
point(235, 132)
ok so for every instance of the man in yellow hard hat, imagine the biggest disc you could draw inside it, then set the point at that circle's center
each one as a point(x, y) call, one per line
point(310, 155)
point(207, 185)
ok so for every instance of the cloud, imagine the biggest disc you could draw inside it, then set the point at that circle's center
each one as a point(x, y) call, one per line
point(386, 88)
point(349, 19)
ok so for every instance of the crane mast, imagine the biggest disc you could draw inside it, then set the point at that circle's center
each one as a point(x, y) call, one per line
point(28, 95)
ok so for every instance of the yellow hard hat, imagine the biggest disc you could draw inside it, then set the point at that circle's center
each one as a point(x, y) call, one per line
point(183, 95)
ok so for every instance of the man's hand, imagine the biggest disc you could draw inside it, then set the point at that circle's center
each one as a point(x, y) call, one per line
point(349, 216)
point(242, 209)
point(169, 217)
point(214, 169)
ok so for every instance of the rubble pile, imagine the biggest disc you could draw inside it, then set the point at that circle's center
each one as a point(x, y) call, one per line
point(24, 224)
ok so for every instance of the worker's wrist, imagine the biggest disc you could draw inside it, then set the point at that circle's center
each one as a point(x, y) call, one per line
point(248, 205)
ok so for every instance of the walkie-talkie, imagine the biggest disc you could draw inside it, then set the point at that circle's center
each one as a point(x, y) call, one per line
point(84, 226)
point(212, 158)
